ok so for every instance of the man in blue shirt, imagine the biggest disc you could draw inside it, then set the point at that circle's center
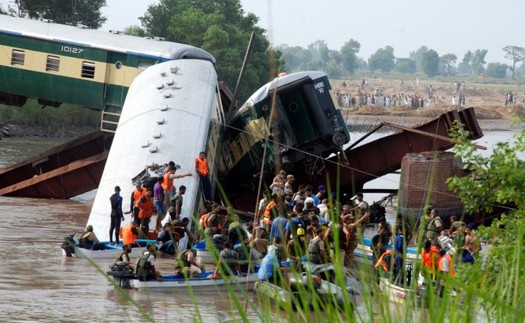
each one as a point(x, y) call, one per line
point(278, 227)
point(269, 266)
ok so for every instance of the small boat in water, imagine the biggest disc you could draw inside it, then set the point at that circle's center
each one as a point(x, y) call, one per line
point(110, 251)
point(179, 281)
point(304, 289)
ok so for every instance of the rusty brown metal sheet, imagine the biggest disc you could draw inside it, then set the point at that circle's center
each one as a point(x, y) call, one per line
point(384, 155)
point(63, 182)
point(63, 171)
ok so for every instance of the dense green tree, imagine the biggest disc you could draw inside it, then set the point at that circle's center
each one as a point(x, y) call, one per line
point(418, 57)
point(464, 67)
point(77, 12)
point(349, 52)
point(495, 281)
point(295, 57)
point(223, 29)
point(430, 63)
point(515, 54)
point(383, 59)
point(134, 31)
point(320, 54)
point(496, 70)
point(406, 66)
point(447, 63)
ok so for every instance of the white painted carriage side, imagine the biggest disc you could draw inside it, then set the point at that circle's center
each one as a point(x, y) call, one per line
point(191, 102)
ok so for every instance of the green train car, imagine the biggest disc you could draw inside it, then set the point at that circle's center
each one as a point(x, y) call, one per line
point(57, 64)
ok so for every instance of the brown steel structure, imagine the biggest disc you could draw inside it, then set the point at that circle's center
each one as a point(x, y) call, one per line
point(62, 172)
point(76, 167)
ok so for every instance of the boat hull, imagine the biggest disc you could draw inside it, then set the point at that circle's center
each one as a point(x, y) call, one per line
point(203, 282)
point(111, 251)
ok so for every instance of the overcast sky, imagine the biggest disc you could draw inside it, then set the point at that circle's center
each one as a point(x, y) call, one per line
point(447, 26)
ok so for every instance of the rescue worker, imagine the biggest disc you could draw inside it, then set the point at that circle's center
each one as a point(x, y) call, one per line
point(227, 265)
point(270, 269)
point(116, 215)
point(135, 196)
point(124, 255)
point(130, 234)
point(435, 226)
point(430, 258)
point(145, 206)
point(187, 265)
point(201, 167)
point(351, 226)
point(146, 265)
point(176, 204)
point(89, 240)
point(270, 212)
point(446, 270)
point(316, 248)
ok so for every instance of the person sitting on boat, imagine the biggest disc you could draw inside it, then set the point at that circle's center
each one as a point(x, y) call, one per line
point(270, 269)
point(430, 258)
point(186, 264)
point(213, 223)
point(89, 240)
point(124, 256)
point(227, 264)
point(260, 240)
point(180, 227)
point(167, 239)
point(316, 248)
point(129, 235)
point(146, 265)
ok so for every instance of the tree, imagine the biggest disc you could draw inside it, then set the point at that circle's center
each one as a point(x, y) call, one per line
point(383, 59)
point(515, 54)
point(448, 62)
point(464, 67)
point(477, 61)
point(72, 12)
point(406, 66)
point(496, 70)
point(223, 29)
point(431, 63)
point(134, 31)
point(418, 57)
point(496, 180)
point(320, 54)
point(349, 52)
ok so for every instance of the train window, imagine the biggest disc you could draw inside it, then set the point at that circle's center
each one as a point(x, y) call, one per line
point(52, 63)
point(18, 57)
point(88, 70)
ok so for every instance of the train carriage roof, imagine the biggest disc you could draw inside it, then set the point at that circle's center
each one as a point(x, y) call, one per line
point(75, 36)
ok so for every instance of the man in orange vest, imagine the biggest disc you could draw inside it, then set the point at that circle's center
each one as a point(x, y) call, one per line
point(386, 263)
point(446, 269)
point(430, 258)
point(167, 183)
point(145, 206)
point(129, 234)
point(201, 167)
point(135, 196)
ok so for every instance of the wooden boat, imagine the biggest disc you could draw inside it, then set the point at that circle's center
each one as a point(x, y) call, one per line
point(179, 281)
point(111, 251)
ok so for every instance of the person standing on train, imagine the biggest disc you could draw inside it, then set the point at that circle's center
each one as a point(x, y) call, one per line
point(158, 201)
point(201, 167)
point(135, 196)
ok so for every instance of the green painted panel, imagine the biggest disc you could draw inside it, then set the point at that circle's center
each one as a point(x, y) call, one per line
point(297, 113)
point(116, 95)
point(52, 87)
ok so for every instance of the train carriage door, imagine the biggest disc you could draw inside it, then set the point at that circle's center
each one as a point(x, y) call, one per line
point(116, 79)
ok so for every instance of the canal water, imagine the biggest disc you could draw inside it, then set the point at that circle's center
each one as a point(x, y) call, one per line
point(38, 284)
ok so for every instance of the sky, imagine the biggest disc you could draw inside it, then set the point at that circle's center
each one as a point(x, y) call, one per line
point(447, 26)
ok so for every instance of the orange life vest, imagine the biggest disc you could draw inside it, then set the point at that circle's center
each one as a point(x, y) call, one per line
point(268, 211)
point(146, 208)
point(430, 258)
point(167, 183)
point(204, 220)
point(451, 270)
point(382, 263)
point(127, 235)
point(137, 194)
point(201, 166)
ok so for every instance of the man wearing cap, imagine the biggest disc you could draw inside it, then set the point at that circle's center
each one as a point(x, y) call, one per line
point(116, 215)
point(321, 192)
point(280, 177)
